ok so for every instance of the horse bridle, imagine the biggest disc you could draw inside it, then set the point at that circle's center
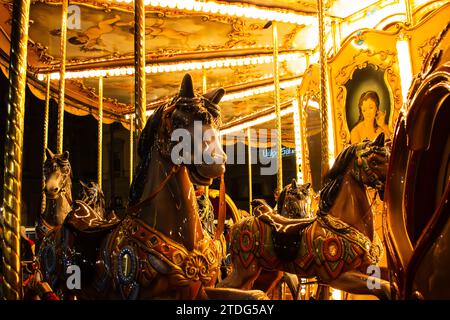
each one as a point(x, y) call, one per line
point(361, 164)
point(137, 207)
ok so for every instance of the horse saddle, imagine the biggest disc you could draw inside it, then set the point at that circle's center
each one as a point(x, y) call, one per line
point(84, 219)
point(286, 234)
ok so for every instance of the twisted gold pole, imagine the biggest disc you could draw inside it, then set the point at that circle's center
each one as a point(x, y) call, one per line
point(45, 142)
point(139, 66)
point(409, 13)
point(62, 81)
point(204, 83)
point(100, 132)
point(250, 178)
point(131, 147)
point(12, 187)
point(276, 80)
point(303, 140)
point(204, 88)
point(323, 90)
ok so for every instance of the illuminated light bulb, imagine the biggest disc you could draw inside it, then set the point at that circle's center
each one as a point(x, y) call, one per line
point(214, 7)
point(206, 8)
point(197, 6)
point(154, 3)
point(224, 10)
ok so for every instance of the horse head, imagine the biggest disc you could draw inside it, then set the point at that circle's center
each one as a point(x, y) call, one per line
point(194, 119)
point(57, 174)
point(292, 202)
point(371, 163)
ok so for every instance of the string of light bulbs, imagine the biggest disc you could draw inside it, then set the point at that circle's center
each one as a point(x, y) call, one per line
point(234, 10)
point(175, 67)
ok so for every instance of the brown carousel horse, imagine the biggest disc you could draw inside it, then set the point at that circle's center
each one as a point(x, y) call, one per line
point(58, 192)
point(337, 246)
point(292, 203)
point(159, 250)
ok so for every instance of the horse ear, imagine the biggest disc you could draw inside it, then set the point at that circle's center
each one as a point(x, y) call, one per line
point(379, 141)
point(49, 154)
point(65, 155)
point(294, 183)
point(307, 185)
point(215, 95)
point(187, 88)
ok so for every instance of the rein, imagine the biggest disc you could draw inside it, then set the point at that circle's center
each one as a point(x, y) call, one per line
point(146, 201)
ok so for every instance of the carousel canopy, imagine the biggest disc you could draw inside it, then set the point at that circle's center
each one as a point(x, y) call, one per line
point(221, 44)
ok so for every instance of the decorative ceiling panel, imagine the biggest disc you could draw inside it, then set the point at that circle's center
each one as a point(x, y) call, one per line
point(110, 33)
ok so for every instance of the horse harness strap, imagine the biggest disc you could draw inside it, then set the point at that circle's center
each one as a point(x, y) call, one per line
point(134, 209)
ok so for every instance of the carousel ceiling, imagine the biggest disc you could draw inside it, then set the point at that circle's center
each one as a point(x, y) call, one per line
point(100, 36)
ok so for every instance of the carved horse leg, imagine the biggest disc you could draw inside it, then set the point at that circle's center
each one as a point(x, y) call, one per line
point(241, 277)
point(267, 280)
point(360, 283)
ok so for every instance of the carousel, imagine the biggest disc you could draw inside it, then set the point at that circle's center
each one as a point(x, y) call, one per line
point(197, 149)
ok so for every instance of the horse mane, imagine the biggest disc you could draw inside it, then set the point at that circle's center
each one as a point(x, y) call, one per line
point(333, 179)
point(144, 148)
point(281, 198)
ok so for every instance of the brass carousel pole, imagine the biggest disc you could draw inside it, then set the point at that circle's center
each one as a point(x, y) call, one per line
point(204, 88)
point(409, 13)
point(100, 132)
point(139, 66)
point(323, 291)
point(12, 190)
point(131, 147)
point(45, 142)
point(276, 79)
point(323, 90)
point(204, 83)
point(250, 180)
point(303, 140)
point(62, 81)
